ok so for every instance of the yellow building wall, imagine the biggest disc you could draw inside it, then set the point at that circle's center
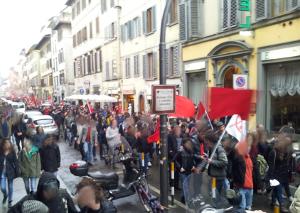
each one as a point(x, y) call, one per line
point(279, 33)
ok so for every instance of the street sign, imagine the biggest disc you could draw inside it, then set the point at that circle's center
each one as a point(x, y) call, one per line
point(163, 99)
point(240, 81)
point(81, 91)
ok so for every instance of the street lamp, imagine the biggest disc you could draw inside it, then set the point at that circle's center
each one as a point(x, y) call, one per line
point(164, 181)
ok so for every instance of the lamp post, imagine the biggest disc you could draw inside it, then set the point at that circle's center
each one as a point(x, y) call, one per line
point(164, 181)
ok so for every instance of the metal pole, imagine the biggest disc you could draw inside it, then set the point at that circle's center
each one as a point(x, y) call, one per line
point(164, 181)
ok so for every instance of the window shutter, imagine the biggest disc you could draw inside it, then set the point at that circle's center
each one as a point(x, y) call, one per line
point(129, 68)
point(145, 67)
point(154, 18)
point(155, 65)
point(182, 22)
point(225, 15)
point(130, 28)
point(144, 22)
point(122, 33)
point(292, 5)
point(261, 9)
point(138, 66)
point(194, 19)
point(139, 26)
point(176, 60)
point(233, 13)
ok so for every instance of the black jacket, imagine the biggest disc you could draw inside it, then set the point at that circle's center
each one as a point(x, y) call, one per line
point(143, 145)
point(106, 207)
point(186, 160)
point(172, 145)
point(20, 127)
point(62, 203)
point(12, 165)
point(238, 170)
point(131, 140)
point(50, 158)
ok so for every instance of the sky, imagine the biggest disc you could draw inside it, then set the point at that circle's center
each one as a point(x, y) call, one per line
point(21, 21)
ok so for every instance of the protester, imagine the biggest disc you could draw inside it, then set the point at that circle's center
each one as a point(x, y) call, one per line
point(101, 128)
point(90, 198)
point(50, 156)
point(242, 174)
point(48, 192)
point(9, 170)
point(39, 137)
point(144, 149)
point(186, 163)
point(5, 128)
point(113, 139)
point(30, 165)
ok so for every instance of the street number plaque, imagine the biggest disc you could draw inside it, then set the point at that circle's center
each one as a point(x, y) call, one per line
point(163, 97)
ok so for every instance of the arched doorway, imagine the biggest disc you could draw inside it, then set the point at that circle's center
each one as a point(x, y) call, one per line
point(141, 103)
point(228, 75)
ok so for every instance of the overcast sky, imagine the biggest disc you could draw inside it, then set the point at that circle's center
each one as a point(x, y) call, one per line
point(21, 21)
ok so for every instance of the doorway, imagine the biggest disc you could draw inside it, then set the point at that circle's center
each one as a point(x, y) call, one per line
point(228, 75)
point(141, 103)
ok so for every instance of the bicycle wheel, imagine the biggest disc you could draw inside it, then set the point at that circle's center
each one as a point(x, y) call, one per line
point(143, 197)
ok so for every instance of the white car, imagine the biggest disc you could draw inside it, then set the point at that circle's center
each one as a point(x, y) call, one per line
point(45, 121)
point(30, 114)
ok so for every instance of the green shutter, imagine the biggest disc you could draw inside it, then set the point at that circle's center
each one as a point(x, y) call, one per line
point(261, 9)
point(194, 19)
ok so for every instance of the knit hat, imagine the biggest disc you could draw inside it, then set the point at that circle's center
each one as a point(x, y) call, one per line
point(34, 206)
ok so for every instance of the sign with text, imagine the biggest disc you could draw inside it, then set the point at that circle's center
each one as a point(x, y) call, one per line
point(240, 81)
point(163, 97)
point(245, 9)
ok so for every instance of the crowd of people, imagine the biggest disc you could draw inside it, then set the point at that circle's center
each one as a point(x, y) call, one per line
point(247, 166)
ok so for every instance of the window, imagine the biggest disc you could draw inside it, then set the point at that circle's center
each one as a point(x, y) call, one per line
point(61, 56)
point(62, 77)
point(107, 70)
point(84, 34)
point(59, 35)
point(50, 80)
point(79, 38)
point(90, 1)
point(96, 61)
point(73, 12)
point(127, 67)
point(149, 20)
point(110, 31)
point(97, 25)
point(114, 69)
point(230, 11)
point(74, 40)
point(173, 61)
point(150, 66)
point(136, 66)
point(112, 3)
point(83, 3)
point(103, 6)
point(78, 8)
point(173, 16)
point(91, 29)
point(89, 65)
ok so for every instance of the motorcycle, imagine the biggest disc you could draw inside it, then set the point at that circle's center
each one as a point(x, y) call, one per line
point(133, 182)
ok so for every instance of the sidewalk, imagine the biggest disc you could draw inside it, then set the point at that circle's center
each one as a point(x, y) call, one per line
point(20, 192)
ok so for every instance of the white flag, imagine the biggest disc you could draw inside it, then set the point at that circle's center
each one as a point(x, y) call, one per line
point(237, 128)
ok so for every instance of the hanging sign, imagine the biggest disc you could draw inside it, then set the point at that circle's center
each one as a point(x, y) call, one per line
point(240, 81)
point(163, 99)
point(245, 9)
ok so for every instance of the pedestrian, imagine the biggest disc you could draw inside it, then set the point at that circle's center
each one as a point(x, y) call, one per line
point(39, 137)
point(186, 163)
point(5, 128)
point(279, 165)
point(144, 149)
point(49, 193)
point(228, 145)
point(242, 174)
point(19, 130)
point(101, 128)
point(9, 170)
point(130, 136)
point(90, 198)
point(50, 156)
point(217, 163)
point(113, 139)
point(30, 165)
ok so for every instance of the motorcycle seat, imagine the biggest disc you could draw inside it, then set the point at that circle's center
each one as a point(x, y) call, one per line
point(103, 176)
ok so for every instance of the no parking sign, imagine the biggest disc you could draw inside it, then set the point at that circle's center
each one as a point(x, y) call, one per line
point(240, 81)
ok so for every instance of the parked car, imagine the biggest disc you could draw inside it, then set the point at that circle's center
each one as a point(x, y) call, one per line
point(30, 114)
point(45, 121)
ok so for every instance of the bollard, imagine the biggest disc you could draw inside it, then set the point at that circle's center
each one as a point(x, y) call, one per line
point(172, 183)
point(276, 208)
point(213, 187)
point(143, 160)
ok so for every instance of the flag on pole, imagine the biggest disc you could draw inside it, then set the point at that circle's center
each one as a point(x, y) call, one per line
point(155, 137)
point(237, 128)
point(226, 102)
point(90, 107)
point(184, 107)
point(200, 111)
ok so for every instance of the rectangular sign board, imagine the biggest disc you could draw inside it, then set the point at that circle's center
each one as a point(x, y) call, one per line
point(163, 97)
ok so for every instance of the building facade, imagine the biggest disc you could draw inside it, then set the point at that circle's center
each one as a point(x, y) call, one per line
point(62, 59)
point(216, 47)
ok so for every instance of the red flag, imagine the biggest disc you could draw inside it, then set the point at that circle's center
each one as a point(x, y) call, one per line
point(226, 102)
point(184, 107)
point(200, 111)
point(155, 137)
point(90, 108)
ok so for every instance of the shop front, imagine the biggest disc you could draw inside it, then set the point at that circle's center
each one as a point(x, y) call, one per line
point(279, 81)
point(128, 98)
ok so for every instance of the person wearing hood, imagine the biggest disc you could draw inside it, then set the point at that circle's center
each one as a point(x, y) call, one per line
point(39, 137)
point(30, 165)
point(48, 192)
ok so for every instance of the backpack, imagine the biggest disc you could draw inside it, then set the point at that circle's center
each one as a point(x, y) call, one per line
point(263, 166)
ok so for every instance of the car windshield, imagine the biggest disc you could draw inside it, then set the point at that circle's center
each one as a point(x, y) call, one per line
point(34, 113)
point(43, 122)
